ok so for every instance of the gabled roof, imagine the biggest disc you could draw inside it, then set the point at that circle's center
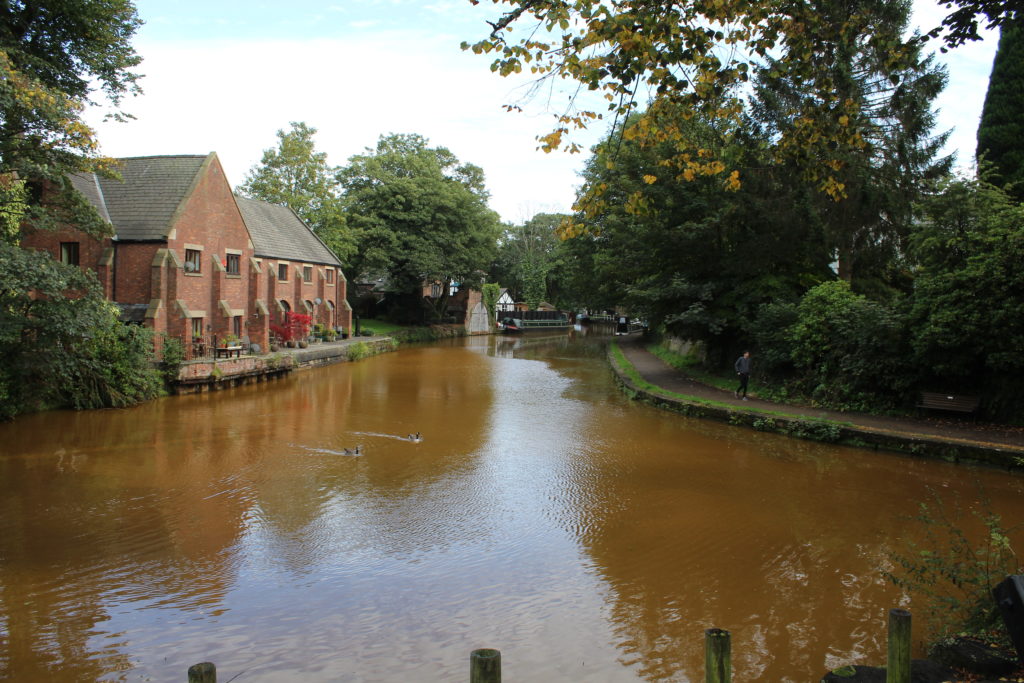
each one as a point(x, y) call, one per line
point(278, 232)
point(145, 203)
point(88, 185)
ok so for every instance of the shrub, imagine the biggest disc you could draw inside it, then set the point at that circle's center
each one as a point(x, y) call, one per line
point(956, 575)
point(358, 351)
point(170, 363)
point(847, 351)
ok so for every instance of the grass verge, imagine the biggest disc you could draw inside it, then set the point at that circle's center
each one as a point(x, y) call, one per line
point(814, 428)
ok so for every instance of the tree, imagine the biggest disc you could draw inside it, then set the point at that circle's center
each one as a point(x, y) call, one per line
point(61, 341)
point(53, 55)
point(297, 176)
point(1001, 131)
point(420, 217)
point(848, 351)
point(967, 312)
point(526, 255)
point(682, 254)
point(887, 117)
point(689, 57)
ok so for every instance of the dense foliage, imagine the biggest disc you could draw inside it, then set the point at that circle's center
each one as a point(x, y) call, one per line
point(526, 256)
point(900, 285)
point(1001, 131)
point(420, 217)
point(62, 342)
point(967, 306)
point(53, 55)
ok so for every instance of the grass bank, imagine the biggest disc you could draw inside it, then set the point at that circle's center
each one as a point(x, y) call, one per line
point(803, 427)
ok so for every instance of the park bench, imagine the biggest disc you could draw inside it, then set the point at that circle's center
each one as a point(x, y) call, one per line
point(957, 403)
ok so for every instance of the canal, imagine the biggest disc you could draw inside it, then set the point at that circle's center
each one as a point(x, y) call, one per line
point(543, 513)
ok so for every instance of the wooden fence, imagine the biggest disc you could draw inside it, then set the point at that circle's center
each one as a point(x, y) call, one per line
point(485, 664)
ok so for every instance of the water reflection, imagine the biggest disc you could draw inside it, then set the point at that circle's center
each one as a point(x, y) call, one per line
point(543, 513)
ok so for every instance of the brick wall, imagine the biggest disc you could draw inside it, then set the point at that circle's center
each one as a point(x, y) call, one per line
point(210, 223)
point(94, 254)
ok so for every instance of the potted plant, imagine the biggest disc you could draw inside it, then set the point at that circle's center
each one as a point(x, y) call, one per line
point(298, 326)
point(282, 335)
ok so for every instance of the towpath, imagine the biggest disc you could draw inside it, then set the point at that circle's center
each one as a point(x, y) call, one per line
point(950, 429)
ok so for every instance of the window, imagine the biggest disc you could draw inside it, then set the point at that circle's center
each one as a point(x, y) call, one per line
point(197, 327)
point(282, 272)
point(236, 326)
point(193, 261)
point(307, 273)
point(330, 276)
point(69, 253)
point(234, 264)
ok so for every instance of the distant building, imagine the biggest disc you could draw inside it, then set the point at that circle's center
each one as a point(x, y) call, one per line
point(505, 303)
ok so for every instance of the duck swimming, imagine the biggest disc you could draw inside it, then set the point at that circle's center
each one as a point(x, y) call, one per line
point(346, 451)
point(415, 438)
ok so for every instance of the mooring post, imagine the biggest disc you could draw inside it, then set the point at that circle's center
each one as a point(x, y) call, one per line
point(485, 666)
point(717, 656)
point(204, 672)
point(898, 668)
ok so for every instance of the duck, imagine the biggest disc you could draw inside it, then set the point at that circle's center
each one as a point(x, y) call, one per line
point(415, 438)
point(357, 451)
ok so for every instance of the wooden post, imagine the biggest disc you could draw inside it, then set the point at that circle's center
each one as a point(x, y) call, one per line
point(485, 666)
point(205, 672)
point(898, 668)
point(717, 656)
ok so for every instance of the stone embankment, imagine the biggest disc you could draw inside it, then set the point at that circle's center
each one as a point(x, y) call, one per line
point(667, 388)
point(222, 373)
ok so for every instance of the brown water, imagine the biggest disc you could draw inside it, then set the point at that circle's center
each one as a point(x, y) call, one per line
point(585, 536)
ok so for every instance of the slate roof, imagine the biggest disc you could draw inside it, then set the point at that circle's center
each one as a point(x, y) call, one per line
point(88, 185)
point(143, 205)
point(277, 232)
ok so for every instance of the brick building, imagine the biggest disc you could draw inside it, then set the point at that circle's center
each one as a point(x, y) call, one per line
point(189, 258)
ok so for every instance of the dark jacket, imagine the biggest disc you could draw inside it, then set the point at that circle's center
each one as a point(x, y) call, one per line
point(743, 365)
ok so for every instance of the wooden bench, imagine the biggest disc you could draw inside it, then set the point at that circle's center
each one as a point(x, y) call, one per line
point(957, 403)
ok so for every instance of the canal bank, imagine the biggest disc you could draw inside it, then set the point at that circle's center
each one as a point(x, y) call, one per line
point(646, 377)
point(214, 374)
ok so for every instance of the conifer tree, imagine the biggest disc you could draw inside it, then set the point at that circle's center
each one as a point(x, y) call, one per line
point(1001, 131)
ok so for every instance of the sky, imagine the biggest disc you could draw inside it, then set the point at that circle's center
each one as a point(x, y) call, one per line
point(226, 75)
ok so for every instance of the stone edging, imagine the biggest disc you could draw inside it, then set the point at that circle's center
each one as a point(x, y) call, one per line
point(956, 451)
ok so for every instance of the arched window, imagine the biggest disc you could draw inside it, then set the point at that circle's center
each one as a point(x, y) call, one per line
point(285, 309)
point(332, 319)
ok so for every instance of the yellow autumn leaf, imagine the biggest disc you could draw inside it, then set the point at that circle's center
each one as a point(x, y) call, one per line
point(650, 179)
